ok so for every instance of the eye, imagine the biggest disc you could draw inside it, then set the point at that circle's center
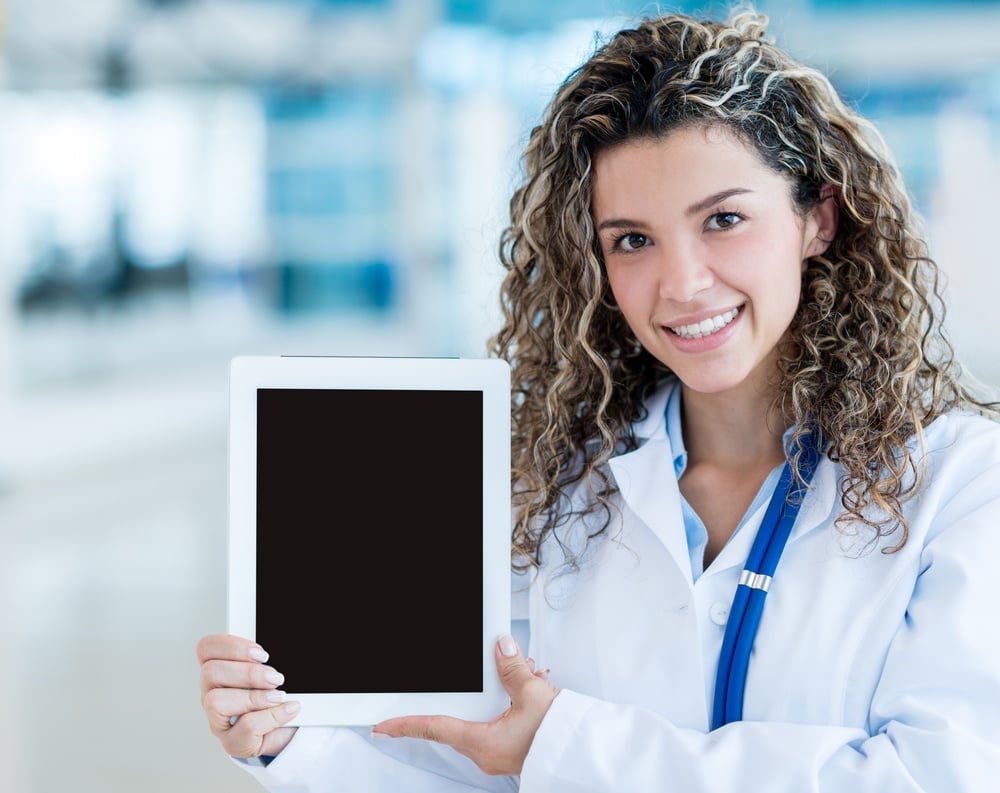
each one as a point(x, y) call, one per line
point(721, 221)
point(630, 241)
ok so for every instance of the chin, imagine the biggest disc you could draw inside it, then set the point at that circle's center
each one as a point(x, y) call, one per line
point(708, 383)
point(708, 388)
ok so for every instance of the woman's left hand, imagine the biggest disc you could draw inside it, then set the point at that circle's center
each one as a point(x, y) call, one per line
point(500, 746)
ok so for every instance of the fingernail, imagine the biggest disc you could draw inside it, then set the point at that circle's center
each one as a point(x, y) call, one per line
point(507, 646)
point(275, 696)
point(292, 707)
point(274, 677)
point(380, 736)
point(258, 653)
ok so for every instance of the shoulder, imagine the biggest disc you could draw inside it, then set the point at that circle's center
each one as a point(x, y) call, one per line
point(962, 438)
point(961, 476)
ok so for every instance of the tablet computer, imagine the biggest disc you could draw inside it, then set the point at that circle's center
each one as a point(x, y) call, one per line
point(369, 531)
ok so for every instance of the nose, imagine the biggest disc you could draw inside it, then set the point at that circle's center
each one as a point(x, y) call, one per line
point(683, 273)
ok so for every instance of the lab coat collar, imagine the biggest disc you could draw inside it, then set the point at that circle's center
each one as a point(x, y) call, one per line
point(655, 421)
point(820, 501)
point(648, 485)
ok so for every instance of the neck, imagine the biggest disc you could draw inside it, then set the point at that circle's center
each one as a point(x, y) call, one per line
point(733, 429)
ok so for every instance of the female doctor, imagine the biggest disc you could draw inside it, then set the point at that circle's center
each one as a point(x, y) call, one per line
point(732, 390)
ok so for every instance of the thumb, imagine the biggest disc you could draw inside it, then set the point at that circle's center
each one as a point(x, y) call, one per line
point(512, 668)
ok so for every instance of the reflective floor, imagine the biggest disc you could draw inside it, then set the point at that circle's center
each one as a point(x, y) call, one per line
point(109, 578)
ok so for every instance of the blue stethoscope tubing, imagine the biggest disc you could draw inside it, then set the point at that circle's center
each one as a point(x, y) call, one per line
point(748, 601)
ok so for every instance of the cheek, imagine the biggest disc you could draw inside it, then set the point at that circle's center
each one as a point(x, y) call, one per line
point(629, 284)
point(630, 296)
point(618, 286)
point(763, 269)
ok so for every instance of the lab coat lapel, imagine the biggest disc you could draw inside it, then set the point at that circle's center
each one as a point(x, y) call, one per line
point(821, 499)
point(647, 482)
point(735, 552)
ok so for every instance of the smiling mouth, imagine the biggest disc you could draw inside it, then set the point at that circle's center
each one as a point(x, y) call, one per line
point(707, 326)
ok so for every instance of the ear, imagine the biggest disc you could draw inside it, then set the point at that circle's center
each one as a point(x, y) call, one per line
point(821, 222)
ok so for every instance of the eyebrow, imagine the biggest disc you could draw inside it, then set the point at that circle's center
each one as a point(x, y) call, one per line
point(619, 223)
point(715, 198)
point(699, 206)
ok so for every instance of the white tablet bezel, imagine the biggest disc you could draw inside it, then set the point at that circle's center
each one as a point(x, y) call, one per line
point(489, 376)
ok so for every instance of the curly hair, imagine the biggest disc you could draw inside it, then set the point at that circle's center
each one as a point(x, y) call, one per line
point(865, 360)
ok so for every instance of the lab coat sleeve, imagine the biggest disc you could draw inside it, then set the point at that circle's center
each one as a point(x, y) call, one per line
point(934, 721)
point(335, 759)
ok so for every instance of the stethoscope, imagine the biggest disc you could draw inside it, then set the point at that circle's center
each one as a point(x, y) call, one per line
point(748, 602)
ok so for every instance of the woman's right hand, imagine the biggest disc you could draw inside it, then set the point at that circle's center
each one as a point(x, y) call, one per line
point(240, 696)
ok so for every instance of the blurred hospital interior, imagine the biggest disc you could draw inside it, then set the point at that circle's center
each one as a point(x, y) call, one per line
point(182, 181)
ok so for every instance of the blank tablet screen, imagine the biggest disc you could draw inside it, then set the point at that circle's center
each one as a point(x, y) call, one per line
point(369, 538)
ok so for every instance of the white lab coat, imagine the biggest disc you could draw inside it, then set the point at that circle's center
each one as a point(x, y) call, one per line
point(871, 672)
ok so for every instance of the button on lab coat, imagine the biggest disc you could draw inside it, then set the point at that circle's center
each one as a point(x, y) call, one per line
point(871, 671)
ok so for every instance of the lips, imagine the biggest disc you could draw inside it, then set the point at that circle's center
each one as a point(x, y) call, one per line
point(707, 326)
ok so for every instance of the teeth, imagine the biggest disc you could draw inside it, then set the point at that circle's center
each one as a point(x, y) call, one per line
point(706, 326)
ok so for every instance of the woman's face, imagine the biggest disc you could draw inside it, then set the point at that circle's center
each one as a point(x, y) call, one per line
point(704, 252)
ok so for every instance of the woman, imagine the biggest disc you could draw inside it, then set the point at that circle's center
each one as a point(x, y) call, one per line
point(717, 298)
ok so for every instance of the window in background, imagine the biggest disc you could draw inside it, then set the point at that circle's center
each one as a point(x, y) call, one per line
point(118, 213)
point(332, 187)
point(120, 198)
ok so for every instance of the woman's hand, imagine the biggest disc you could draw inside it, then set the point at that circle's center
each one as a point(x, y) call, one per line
point(500, 746)
point(240, 697)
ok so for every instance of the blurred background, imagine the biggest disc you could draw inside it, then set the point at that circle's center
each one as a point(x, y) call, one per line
point(182, 181)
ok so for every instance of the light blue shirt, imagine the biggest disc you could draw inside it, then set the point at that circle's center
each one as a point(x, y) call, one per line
point(694, 527)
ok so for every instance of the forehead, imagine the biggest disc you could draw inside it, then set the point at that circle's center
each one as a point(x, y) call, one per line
point(681, 147)
point(686, 164)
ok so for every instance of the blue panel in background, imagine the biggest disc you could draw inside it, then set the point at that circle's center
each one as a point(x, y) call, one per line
point(375, 100)
point(332, 197)
point(363, 189)
point(879, 5)
point(336, 287)
point(897, 107)
point(900, 97)
point(347, 5)
point(524, 15)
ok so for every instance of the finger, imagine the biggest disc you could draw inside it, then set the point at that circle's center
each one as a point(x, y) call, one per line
point(224, 705)
point(248, 736)
point(443, 729)
point(238, 674)
point(227, 647)
point(276, 740)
